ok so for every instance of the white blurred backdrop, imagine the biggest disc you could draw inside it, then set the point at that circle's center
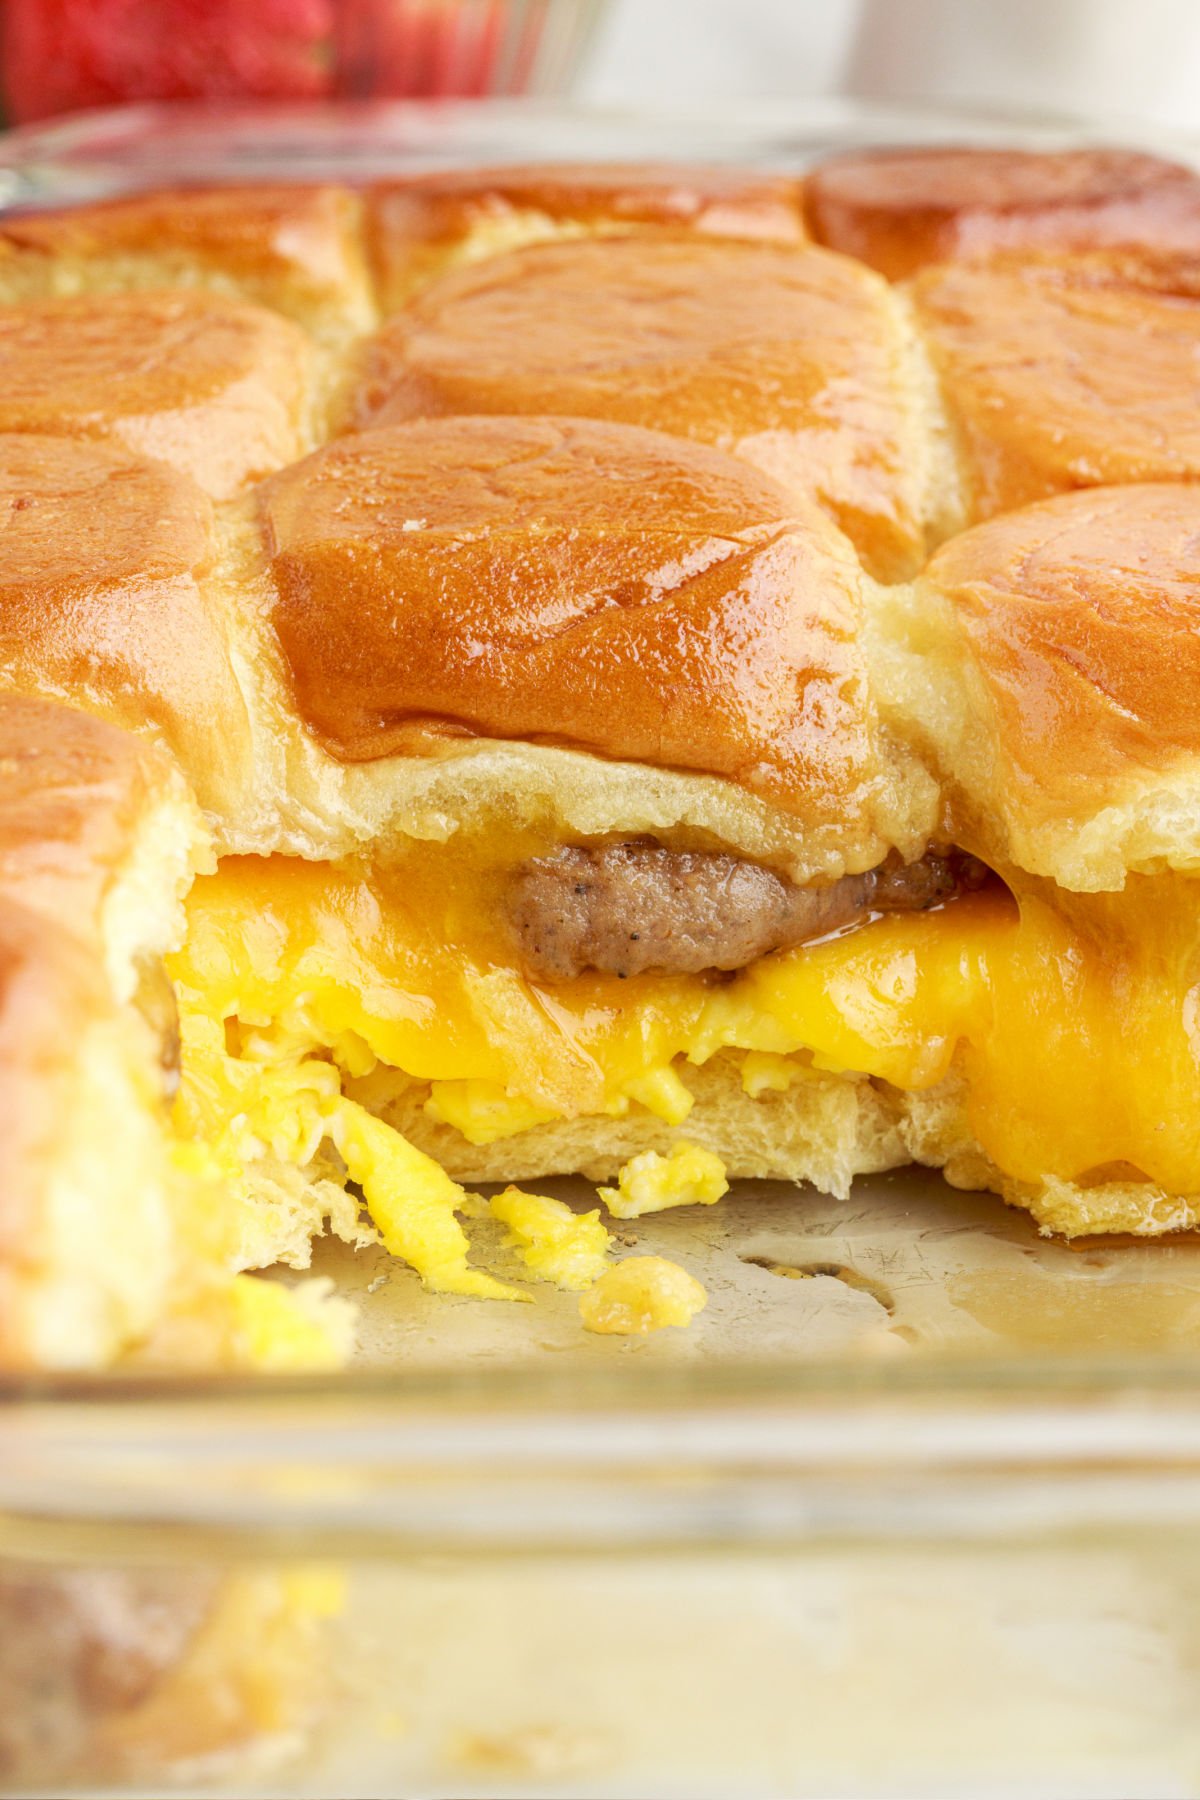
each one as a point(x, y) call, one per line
point(1134, 58)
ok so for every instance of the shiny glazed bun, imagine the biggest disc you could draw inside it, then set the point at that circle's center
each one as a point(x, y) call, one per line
point(1055, 662)
point(1064, 374)
point(102, 599)
point(419, 228)
point(569, 582)
point(81, 800)
point(901, 209)
point(796, 360)
point(220, 390)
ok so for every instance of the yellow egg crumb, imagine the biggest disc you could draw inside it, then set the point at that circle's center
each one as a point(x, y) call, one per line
point(649, 1183)
point(278, 1096)
point(662, 1092)
point(537, 1752)
point(482, 1111)
point(765, 1072)
point(412, 1201)
point(277, 1328)
point(640, 1295)
point(316, 1589)
point(554, 1243)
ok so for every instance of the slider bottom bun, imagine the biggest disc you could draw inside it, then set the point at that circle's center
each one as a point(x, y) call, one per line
point(827, 1130)
point(936, 1130)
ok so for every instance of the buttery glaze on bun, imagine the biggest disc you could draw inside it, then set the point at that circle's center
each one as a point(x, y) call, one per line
point(419, 228)
point(219, 390)
point(900, 210)
point(1055, 655)
point(795, 359)
point(103, 599)
point(1066, 373)
point(568, 582)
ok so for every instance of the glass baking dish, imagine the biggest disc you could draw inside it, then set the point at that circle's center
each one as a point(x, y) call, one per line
point(911, 1509)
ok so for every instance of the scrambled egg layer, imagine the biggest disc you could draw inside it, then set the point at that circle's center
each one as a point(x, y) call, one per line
point(262, 1093)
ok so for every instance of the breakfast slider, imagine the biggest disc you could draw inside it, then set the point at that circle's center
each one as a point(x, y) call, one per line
point(300, 250)
point(1049, 661)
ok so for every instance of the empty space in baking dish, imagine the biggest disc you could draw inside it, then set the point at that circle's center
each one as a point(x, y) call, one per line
point(907, 1268)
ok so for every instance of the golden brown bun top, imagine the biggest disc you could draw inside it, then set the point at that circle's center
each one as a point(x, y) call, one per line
point(296, 248)
point(1067, 373)
point(1073, 635)
point(792, 358)
point(289, 675)
point(576, 583)
point(218, 389)
point(899, 210)
point(418, 227)
point(102, 599)
point(74, 792)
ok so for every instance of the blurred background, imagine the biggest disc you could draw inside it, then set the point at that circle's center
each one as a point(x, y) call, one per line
point(1132, 59)
point(1140, 58)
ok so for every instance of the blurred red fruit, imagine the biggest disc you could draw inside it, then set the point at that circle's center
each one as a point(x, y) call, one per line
point(63, 55)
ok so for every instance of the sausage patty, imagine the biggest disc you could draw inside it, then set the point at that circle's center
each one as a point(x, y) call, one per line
point(632, 907)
